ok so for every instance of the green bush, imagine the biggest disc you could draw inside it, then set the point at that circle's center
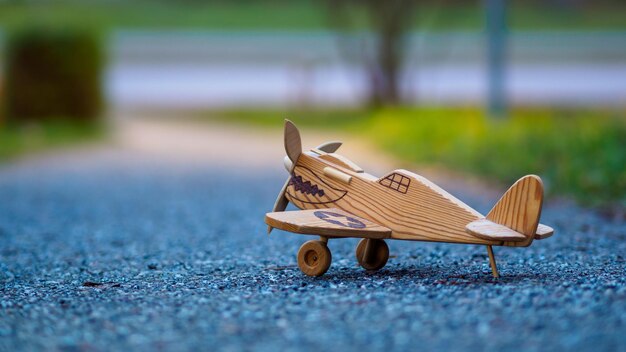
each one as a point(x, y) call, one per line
point(19, 140)
point(53, 74)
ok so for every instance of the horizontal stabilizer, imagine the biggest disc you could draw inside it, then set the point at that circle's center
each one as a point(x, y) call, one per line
point(489, 230)
point(543, 232)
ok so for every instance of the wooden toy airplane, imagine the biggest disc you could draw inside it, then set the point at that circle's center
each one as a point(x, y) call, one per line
point(338, 199)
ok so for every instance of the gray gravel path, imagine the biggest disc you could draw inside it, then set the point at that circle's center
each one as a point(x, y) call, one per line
point(117, 258)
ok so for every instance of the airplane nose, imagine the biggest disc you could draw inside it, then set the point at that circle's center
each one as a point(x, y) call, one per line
point(288, 164)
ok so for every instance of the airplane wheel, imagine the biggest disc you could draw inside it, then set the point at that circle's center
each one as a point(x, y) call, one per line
point(314, 258)
point(378, 254)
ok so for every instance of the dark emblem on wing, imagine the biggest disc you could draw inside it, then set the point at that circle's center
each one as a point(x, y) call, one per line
point(339, 219)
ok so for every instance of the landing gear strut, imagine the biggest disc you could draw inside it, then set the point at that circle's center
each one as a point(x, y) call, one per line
point(492, 262)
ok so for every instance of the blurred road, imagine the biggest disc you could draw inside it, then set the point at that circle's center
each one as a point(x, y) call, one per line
point(115, 248)
point(235, 69)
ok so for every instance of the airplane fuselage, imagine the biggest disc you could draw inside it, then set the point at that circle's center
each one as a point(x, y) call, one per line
point(410, 205)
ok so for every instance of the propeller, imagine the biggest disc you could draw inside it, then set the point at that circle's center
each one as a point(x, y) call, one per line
point(293, 143)
point(293, 147)
point(330, 147)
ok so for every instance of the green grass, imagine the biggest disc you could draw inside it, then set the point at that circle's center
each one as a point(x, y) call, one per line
point(292, 15)
point(580, 153)
point(16, 141)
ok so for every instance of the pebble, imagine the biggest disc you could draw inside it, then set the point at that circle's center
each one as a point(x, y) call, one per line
point(180, 260)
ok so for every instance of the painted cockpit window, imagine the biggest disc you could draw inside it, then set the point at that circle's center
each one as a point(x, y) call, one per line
point(397, 182)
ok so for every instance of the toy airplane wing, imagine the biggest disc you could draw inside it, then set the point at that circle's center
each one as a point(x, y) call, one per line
point(331, 222)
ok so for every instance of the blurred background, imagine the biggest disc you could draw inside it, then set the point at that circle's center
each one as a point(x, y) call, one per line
point(492, 88)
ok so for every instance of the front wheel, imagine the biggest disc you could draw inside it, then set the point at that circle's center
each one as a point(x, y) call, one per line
point(314, 258)
point(372, 254)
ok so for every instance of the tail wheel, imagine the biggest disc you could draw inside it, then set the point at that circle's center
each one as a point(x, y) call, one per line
point(372, 254)
point(314, 258)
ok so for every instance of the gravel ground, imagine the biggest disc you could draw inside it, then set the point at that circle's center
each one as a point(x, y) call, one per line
point(117, 258)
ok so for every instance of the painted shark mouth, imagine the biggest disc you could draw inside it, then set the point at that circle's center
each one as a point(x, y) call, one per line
point(306, 187)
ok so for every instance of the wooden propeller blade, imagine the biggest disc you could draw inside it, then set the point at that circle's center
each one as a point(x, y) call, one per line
point(330, 147)
point(281, 202)
point(293, 143)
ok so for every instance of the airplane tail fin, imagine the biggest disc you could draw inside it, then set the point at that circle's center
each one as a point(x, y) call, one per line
point(514, 219)
point(520, 207)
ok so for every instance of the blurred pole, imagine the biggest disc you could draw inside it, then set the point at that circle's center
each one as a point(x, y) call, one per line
point(496, 57)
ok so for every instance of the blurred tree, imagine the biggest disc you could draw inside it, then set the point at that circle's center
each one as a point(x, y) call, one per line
point(52, 73)
point(390, 22)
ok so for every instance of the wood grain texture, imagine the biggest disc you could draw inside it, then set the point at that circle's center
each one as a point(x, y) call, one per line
point(492, 262)
point(337, 175)
point(489, 230)
point(543, 232)
point(314, 258)
point(293, 143)
point(411, 206)
point(519, 208)
point(332, 223)
point(424, 213)
point(342, 161)
point(372, 254)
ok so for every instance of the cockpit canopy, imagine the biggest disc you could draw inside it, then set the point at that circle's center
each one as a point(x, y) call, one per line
point(396, 181)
